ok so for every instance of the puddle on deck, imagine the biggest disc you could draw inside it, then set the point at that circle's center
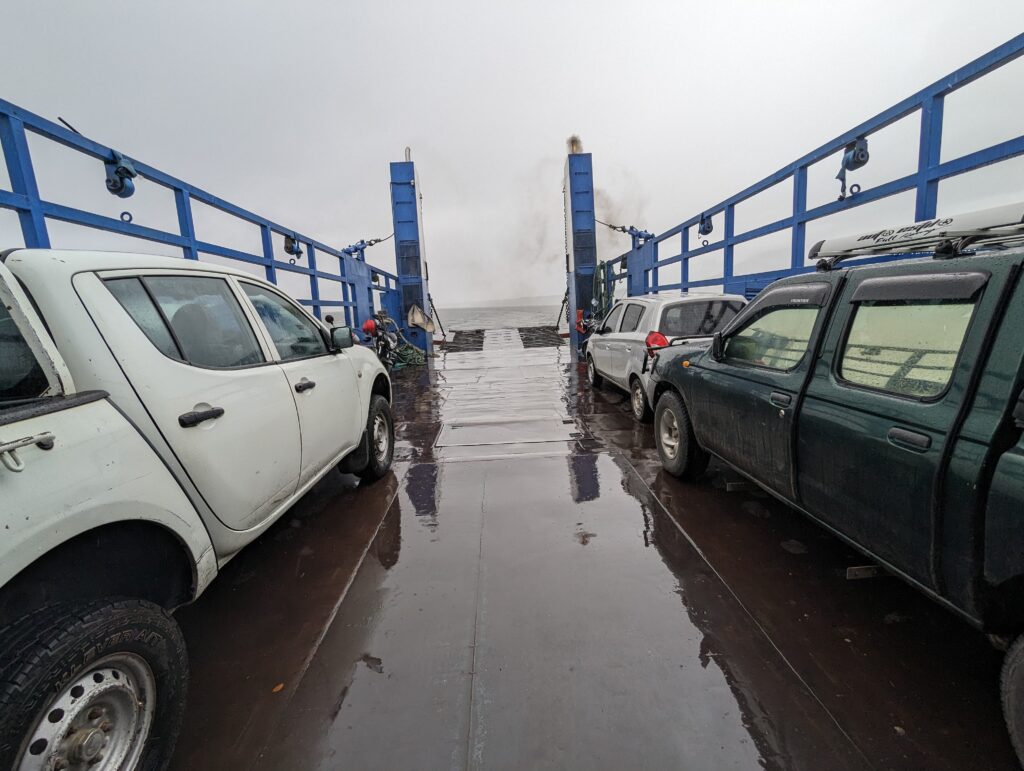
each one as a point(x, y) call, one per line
point(529, 590)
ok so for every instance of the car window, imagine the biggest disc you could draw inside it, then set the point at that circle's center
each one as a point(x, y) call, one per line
point(206, 320)
point(631, 317)
point(777, 339)
point(909, 348)
point(697, 318)
point(136, 300)
point(294, 335)
point(611, 321)
point(21, 376)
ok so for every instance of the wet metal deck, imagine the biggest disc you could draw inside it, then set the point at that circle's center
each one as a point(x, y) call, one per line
point(528, 590)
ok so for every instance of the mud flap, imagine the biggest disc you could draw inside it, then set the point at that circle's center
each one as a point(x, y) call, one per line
point(358, 459)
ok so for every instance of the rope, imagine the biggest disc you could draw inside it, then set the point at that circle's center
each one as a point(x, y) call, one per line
point(436, 315)
point(407, 354)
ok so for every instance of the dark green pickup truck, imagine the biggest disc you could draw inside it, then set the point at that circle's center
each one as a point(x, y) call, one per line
point(886, 402)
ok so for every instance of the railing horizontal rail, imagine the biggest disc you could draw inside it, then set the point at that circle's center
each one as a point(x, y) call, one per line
point(358, 280)
point(645, 265)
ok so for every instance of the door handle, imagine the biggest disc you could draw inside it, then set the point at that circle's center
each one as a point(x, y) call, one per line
point(8, 450)
point(912, 440)
point(194, 418)
point(780, 399)
point(304, 385)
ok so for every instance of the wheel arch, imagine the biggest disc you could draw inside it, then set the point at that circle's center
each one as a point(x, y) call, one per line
point(381, 387)
point(130, 558)
point(663, 386)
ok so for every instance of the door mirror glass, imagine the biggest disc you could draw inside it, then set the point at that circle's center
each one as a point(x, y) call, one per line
point(341, 337)
point(717, 347)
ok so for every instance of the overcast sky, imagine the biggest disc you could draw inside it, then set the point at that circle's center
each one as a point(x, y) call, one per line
point(294, 109)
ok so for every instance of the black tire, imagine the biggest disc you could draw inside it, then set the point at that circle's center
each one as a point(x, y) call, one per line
point(51, 649)
point(593, 376)
point(379, 460)
point(638, 401)
point(1012, 691)
point(686, 460)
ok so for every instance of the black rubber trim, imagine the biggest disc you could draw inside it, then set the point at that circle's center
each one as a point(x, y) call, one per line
point(928, 286)
point(47, 405)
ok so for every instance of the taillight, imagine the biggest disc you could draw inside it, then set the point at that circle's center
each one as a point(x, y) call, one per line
point(655, 340)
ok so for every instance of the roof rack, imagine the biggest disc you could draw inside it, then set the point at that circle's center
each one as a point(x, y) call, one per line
point(943, 236)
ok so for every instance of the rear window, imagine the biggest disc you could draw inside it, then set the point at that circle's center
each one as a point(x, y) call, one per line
point(697, 318)
point(195, 319)
point(905, 347)
point(21, 377)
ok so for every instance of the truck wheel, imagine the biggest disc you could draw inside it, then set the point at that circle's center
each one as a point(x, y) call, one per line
point(99, 684)
point(638, 401)
point(380, 432)
point(673, 433)
point(592, 374)
point(1012, 689)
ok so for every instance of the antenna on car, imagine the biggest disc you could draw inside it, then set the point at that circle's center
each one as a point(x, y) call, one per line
point(944, 237)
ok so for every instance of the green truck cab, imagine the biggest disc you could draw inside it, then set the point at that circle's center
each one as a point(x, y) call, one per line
point(886, 402)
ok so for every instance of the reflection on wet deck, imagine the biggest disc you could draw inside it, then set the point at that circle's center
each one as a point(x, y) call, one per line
point(528, 590)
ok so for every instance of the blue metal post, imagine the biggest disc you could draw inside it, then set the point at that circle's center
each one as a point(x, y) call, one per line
point(186, 225)
point(727, 252)
point(23, 181)
point(314, 284)
point(412, 282)
point(267, 237)
point(928, 157)
point(684, 275)
point(799, 225)
point(580, 239)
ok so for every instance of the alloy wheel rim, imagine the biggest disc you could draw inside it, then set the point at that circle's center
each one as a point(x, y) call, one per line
point(668, 434)
point(381, 439)
point(591, 370)
point(99, 722)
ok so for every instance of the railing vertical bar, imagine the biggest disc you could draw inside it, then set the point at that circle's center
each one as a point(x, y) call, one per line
point(799, 224)
point(23, 181)
point(186, 225)
point(928, 157)
point(314, 282)
point(730, 231)
point(684, 271)
point(268, 252)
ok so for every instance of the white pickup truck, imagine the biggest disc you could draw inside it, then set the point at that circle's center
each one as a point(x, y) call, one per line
point(156, 415)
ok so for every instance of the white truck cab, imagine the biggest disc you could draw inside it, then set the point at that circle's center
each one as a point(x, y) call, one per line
point(156, 415)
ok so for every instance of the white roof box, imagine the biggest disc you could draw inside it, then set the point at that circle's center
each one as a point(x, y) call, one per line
point(1004, 223)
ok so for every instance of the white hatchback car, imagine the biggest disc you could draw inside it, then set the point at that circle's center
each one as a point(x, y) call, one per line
point(619, 345)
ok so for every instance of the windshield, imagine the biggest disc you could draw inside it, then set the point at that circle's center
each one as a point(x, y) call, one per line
point(21, 377)
point(698, 318)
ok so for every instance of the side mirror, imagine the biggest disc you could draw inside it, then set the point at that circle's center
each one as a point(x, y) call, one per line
point(342, 337)
point(717, 347)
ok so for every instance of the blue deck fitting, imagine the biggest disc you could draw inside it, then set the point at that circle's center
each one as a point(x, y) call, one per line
point(412, 279)
point(645, 271)
point(580, 238)
point(356, 280)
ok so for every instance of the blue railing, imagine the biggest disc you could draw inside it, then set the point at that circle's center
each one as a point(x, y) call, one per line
point(643, 268)
point(356, 279)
